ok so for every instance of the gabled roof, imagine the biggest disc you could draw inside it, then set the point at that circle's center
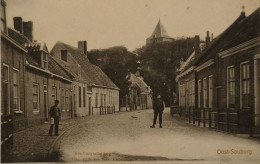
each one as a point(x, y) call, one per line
point(220, 42)
point(19, 38)
point(93, 73)
point(247, 29)
point(137, 81)
point(36, 47)
point(159, 31)
point(32, 48)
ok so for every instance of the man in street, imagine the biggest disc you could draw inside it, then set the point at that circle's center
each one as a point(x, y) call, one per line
point(158, 108)
point(55, 115)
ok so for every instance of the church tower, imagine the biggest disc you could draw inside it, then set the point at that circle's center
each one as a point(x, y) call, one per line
point(159, 35)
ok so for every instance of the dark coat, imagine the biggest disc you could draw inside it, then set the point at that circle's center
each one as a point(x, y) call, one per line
point(54, 112)
point(158, 105)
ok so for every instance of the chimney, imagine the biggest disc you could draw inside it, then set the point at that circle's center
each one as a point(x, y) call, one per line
point(212, 37)
point(18, 24)
point(197, 44)
point(207, 40)
point(28, 30)
point(82, 46)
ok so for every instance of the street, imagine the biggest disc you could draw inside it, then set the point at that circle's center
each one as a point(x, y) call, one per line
point(127, 136)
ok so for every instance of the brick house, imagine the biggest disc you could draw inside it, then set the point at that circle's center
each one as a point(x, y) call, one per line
point(97, 91)
point(44, 79)
point(226, 78)
point(238, 63)
point(12, 80)
point(186, 80)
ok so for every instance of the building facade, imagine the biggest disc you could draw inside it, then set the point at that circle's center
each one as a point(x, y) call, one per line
point(94, 90)
point(226, 79)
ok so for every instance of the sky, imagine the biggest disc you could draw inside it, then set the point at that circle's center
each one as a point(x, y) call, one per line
point(107, 23)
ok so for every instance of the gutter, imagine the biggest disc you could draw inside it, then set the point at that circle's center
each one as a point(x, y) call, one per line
point(48, 72)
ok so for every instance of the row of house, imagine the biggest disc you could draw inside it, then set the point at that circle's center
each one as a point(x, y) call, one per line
point(219, 85)
point(33, 77)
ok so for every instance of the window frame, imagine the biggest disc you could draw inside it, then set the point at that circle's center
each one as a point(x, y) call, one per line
point(8, 88)
point(36, 110)
point(199, 93)
point(233, 87)
point(205, 92)
point(79, 95)
point(210, 90)
point(18, 110)
point(242, 79)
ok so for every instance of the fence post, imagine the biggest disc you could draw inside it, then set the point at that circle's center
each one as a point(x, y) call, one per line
point(189, 115)
point(199, 116)
point(227, 119)
point(209, 117)
point(251, 123)
point(204, 117)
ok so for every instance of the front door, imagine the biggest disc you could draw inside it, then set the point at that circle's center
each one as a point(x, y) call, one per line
point(89, 105)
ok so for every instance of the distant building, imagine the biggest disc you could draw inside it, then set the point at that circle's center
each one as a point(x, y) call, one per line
point(140, 94)
point(93, 88)
point(159, 35)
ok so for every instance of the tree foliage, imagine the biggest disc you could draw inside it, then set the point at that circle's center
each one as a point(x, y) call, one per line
point(115, 62)
point(159, 63)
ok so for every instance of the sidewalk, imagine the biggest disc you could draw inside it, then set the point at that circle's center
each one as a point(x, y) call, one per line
point(34, 145)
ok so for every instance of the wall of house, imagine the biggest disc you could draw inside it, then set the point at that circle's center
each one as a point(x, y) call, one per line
point(14, 59)
point(187, 95)
point(235, 61)
point(37, 80)
point(202, 75)
point(81, 101)
point(111, 98)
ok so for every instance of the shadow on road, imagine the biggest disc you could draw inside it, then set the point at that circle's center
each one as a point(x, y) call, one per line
point(126, 157)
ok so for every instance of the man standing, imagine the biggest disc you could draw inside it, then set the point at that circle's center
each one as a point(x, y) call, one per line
point(158, 108)
point(55, 114)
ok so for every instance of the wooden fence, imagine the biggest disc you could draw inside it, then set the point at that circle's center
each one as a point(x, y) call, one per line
point(103, 110)
point(229, 120)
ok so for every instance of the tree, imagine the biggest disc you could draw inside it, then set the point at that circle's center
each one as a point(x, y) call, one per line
point(115, 62)
point(159, 63)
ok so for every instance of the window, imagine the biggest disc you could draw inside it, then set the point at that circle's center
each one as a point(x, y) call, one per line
point(16, 90)
point(245, 88)
point(36, 97)
point(193, 93)
point(210, 92)
point(64, 55)
point(182, 95)
point(44, 59)
point(231, 87)
point(79, 96)
point(5, 106)
point(62, 100)
point(96, 100)
point(67, 100)
point(54, 94)
point(101, 99)
point(84, 96)
point(105, 101)
point(199, 93)
point(205, 93)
